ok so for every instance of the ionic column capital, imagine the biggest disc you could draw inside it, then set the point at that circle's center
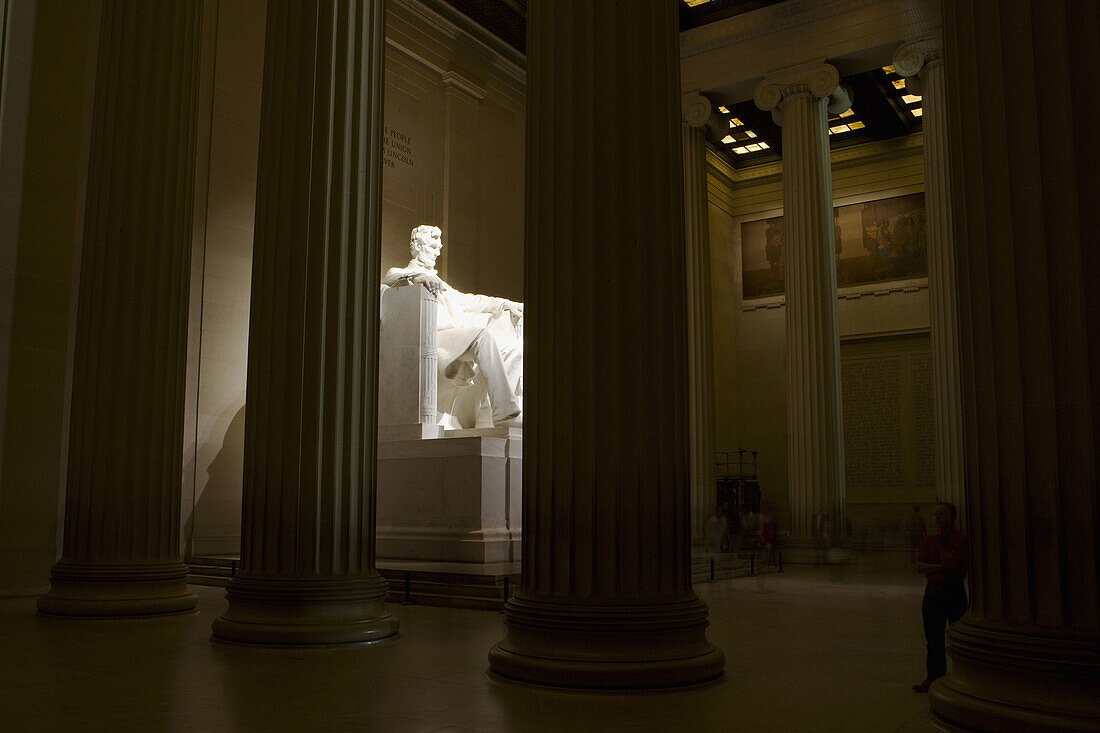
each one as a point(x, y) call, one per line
point(696, 108)
point(913, 57)
point(819, 79)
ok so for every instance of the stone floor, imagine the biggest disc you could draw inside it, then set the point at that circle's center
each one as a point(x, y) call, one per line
point(811, 649)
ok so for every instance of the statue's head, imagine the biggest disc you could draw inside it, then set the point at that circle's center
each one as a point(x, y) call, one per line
point(425, 243)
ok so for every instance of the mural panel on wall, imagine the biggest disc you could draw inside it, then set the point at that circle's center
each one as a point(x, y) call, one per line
point(876, 241)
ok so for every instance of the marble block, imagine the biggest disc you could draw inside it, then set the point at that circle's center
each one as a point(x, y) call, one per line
point(443, 495)
point(407, 364)
point(456, 499)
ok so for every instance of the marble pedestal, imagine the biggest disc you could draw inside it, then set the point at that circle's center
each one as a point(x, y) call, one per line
point(451, 499)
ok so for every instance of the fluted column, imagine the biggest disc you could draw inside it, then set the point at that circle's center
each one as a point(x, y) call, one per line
point(800, 100)
point(697, 110)
point(121, 553)
point(921, 62)
point(606, 598)
point(1021, 116)
point(307, 571)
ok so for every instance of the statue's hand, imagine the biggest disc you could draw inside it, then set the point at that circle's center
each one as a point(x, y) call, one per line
point(432, 282)
point(514, 307)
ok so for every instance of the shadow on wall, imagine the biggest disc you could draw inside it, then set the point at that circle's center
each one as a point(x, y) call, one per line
point(216, 520)
point(46, 116)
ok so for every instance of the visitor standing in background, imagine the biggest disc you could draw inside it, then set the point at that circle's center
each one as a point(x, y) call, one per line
point(716, 532)
point(748, 529)
point(942, 559)
point(765, 536)
point(914, 527)
point(767, 532)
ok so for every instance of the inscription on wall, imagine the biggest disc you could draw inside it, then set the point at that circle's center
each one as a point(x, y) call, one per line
point(922, 414)
point(872, 423)
point(397, 148)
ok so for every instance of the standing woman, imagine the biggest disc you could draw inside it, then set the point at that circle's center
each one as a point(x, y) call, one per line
point(942, 559)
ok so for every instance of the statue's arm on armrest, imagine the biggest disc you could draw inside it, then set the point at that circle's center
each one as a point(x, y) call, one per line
point(488, 304)
point(398, 276)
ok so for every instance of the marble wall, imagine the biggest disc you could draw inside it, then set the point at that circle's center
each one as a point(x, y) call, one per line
point(221, 279)
point(749, 342)
point(454, 150)
point(889, 440)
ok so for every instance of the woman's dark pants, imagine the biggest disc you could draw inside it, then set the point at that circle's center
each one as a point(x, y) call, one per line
point(943, 603)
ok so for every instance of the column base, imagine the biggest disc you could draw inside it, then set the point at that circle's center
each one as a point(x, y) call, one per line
point(305, 612)
point(1004, 681)
point(606, 647)
point(814, 552)
point(117, 589)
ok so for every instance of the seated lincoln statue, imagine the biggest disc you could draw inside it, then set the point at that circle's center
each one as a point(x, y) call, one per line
point(479, 340)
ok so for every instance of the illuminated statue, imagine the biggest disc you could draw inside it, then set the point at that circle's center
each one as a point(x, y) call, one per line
point(479, 338)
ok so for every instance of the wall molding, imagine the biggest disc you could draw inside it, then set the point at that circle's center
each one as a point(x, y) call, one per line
point(874, 337)
point(413, 56)
point(854, 292)
point(456, 25)
point(462, 83)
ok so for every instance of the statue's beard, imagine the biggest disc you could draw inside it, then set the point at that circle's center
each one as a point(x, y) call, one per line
point(425, 261)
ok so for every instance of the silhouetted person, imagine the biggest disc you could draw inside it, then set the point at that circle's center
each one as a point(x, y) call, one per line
point(942, 559)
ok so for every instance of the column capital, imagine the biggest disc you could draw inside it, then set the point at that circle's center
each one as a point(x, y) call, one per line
point(696, 109)
point(456, 80)
point(819, 79)
point(914, 56)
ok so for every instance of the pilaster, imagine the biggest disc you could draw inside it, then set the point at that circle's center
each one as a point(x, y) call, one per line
point(697, 110)
point(800, 100)
point(921, 62)
point(462, 97)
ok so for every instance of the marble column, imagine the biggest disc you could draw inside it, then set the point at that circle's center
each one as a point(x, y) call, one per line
point(800, 100)
point(606, 598)
point(697, 110)
point(921, 62)
point(1021, 117)
point(307, 573)
point(121, 554)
